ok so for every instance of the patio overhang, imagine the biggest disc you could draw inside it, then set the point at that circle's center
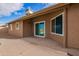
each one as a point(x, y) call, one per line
point(41, 12)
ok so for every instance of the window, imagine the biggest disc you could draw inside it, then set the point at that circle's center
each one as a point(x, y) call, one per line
point(57, 25)
point(17, 25)
point(10, 26)
point(39, 29)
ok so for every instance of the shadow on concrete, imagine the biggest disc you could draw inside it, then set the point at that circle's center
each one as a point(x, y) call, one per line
point(45, 42)
point(39, 41)
point(51, 44)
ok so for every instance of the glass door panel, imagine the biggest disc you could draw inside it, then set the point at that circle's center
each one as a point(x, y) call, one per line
point(39, 27)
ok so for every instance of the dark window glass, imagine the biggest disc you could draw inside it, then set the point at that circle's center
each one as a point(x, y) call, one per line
point(57, 25)
point(40, 29)
point(37, 29)
point(17, 25)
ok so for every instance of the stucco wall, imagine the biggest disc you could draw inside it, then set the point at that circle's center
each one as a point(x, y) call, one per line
point(15, 32)
point(71, 29)
point(73, 26)
point(47, 18)
point(27, 28)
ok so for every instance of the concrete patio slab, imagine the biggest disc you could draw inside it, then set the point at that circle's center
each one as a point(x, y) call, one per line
point(20, 47)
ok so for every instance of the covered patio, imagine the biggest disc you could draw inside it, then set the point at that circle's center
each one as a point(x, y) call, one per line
point(32, 46)
point(19, 47)
point(11, 45)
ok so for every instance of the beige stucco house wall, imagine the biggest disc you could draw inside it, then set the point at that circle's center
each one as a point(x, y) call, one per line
point(70, 37)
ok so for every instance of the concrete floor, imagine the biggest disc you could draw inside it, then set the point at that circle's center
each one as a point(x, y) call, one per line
point(30, 46)
point(19, 47)
point(14, 46)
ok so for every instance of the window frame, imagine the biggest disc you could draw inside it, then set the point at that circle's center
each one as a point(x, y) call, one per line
point(55, 25)
point(44, 29)
point(18, 26)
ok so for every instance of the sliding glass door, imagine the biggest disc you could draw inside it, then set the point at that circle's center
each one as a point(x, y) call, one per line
point(40, 29)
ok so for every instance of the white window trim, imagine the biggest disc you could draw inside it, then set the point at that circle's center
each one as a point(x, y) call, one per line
point(18, 25)
point(35, 29)
point(62, 25)
point(11, 27)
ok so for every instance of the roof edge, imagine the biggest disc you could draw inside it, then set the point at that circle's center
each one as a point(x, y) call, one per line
point(40, 12)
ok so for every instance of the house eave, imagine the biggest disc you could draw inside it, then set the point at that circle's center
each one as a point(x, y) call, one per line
point(41, 12)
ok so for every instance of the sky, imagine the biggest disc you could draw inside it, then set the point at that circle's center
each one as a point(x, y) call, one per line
point(13, 11)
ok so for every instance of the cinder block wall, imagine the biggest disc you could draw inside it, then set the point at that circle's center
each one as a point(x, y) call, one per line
point(3, 30)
